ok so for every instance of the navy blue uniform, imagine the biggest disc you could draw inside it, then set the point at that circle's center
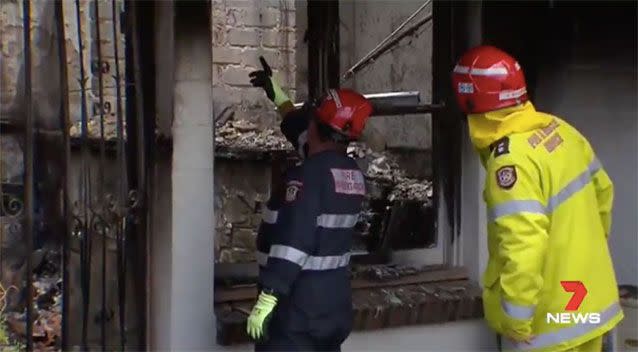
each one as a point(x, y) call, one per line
point(309, 254)
point(270, 214)
point(294, 127)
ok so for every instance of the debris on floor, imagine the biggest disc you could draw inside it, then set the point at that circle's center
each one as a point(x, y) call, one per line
point(242, 134)
point(47, 305)
point(377, 165)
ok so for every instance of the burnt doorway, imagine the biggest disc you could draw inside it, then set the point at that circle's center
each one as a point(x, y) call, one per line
point(73, 185)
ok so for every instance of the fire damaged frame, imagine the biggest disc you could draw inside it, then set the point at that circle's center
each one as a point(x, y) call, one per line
point(390, 296)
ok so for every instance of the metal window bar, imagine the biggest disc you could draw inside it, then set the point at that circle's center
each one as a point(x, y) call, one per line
point(122, 196)
point(89, 211)
point(66, 182)
point(82, 215)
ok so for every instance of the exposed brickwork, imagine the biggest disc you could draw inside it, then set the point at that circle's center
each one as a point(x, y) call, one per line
point(241, 187)
point(242, 31)
point(380, 308)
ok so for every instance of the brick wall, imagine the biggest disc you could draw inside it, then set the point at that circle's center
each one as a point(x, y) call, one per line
point(242, 31)
point(241, 187)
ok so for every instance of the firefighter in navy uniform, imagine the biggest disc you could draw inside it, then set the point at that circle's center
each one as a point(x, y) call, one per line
point(311, 237)
point(294, 126)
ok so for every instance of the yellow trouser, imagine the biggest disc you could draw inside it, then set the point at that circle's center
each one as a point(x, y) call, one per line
point(594, 345)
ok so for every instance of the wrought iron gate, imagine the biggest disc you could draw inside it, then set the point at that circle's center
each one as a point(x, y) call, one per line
point(73, 190)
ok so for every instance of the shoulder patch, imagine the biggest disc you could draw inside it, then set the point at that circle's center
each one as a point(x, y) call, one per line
point(506, 176)
point(501, 147)
point(292, 190)
point(348, 181)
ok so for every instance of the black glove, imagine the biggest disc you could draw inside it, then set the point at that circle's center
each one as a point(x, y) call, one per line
point(262, 79)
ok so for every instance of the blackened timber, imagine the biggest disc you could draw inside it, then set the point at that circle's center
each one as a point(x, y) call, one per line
point(140, 146)
point(85, 230)
point(122, 194)
point(101, 168)
point(66, 180)
point(28, 172)
point(323, 46)
point(446, 122)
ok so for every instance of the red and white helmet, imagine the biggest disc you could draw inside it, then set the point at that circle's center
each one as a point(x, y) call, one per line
point(345, 111)
point(487, 79)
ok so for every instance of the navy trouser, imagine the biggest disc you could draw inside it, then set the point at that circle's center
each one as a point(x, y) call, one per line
point(286, 339)
point(297, 341)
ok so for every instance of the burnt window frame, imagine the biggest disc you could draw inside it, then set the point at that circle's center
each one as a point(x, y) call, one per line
point(446, 135)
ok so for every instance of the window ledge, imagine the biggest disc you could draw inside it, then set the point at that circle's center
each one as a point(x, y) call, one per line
point(378, 307)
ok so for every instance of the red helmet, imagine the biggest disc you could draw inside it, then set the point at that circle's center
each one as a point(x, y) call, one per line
point(345, 110)
point(486, 79)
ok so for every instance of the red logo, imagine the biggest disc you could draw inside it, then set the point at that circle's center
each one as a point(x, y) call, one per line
point(579, 290)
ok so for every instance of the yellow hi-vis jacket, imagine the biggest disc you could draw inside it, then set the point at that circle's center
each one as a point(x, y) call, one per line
point(549, 204)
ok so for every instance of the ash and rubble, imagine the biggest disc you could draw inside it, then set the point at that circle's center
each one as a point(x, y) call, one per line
point(246, 135)
point(383, 167)
point(47, 303)
point(381, 273)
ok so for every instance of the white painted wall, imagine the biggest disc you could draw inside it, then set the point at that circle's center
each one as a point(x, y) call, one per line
point(407, 67)
point(192, 316)
point(597, 94)
point(182, 243)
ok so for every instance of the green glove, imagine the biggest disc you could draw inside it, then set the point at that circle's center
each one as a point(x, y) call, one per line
point(256, 325)
point(263, 79)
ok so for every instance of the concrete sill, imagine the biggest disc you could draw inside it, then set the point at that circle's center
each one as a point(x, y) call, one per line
point(431, 300)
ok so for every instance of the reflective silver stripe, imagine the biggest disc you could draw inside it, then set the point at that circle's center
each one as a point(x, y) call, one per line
point(307, 262)
point(562, 335)
point(262, 258)
point(512, 94)
point(327, 262)
point(574, 186)
point(335, 96)
point(516, 311)
point(301, 141)
point(288, 253)
point(269, 216)
point(515, 207)
point(334, 221)
point(492, 71)
point(534, 206)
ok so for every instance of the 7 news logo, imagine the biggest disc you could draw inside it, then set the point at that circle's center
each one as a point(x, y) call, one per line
point(571, 315)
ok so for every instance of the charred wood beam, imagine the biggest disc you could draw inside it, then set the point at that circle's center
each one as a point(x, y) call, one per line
point(65, 178)
point(447, 38)
point(29, 170)
point(323, 46)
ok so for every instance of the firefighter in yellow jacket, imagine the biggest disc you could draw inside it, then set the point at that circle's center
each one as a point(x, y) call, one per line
point(549, 283)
